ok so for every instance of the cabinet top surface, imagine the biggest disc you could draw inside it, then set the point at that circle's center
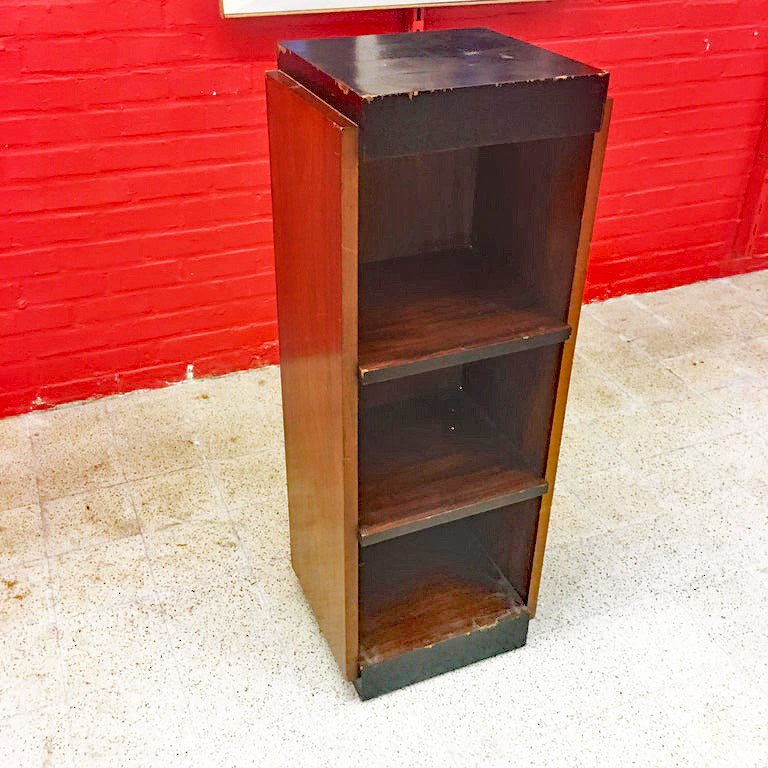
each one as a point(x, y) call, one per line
point(375, 66)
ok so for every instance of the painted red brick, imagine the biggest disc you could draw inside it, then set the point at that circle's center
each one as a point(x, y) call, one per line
point(134, 176)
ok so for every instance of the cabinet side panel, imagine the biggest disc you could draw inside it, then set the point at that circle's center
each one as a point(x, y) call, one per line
point(313, 155)
point(574, 312)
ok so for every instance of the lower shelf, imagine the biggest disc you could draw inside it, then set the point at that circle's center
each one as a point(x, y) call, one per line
point(423, 663)
point(431, 587)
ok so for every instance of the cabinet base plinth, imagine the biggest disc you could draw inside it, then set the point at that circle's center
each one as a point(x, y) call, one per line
point(423, 663)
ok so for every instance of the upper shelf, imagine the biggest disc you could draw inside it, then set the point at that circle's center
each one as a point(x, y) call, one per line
point(428, 312)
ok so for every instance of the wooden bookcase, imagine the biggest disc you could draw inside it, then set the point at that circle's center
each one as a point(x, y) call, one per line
point(433, 198)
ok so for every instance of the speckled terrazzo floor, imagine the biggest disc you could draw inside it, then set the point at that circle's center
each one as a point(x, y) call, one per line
point(149, 615)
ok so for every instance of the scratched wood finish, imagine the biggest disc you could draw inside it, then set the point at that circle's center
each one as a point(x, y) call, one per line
point(574, 312)
point(314, 151)
point(447, 89)
point(423, 420)
point(427, 312)
point(428, 461)
point(427, 588)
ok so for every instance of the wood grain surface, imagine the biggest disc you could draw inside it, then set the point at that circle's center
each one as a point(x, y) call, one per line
point(426, 588)
point(428, 461)
point(427, 312)
point(314, 155)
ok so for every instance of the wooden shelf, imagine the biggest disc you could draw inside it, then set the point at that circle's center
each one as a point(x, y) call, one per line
point(428, 282)
point(438, 310)
point(429, 461)
point(428, 588)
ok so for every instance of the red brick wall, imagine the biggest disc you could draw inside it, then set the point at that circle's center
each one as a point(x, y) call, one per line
point(135, 228)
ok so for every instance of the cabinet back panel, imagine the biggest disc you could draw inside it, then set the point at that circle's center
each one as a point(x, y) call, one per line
point(528, 214)
point(517, 393)
point(508, 535)
point(416, 204)
point(421, 384)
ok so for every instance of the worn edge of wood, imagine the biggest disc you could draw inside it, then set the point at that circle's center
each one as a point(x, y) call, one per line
point(376, 375)
point(445, 656)
point(566, 363)
point(349, 158)
point(349, 290)
point(379, 533)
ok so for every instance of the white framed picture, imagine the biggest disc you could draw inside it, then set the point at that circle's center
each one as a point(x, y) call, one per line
point(235, 8)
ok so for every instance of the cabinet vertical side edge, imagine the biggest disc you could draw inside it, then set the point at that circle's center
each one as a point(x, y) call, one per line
point(566, 364)
point(349, 292)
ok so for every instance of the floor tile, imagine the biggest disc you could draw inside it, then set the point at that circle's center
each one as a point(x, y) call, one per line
point(627, 317)
point(232, 429)
point(588, 447)
point(101, 576)
point(176, 497)
point(743, 456)
point(248, 481)
point(74, 450)
point(592, 394)
point(88, 519)
point(36, 740)
point(604, 501)
point(14, 439)
point(26, 597)
point(19, 483)
point(754, 286)
point(724, 715)
point(568, 521)
point(31, 675)
point(722, 365)
point(747, 401)
point(668, 426)
point(705, 317)
point(122, 645)
point(640, 733)
point(171, 443)
point(732, 610)
point(261, 386)
point(115, 726)
point(191, 556)
point(651, 383)
point(21, 535)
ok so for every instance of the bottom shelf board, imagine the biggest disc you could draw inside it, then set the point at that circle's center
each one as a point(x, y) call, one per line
point(447, 655)
point(429, 461)
point(427, 588)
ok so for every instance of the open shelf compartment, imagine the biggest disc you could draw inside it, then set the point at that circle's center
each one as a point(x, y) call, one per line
point(432, 460)
point(453, 443)
point(444, 597)
point(477, 260)
point(427, 588)
point(441, 309)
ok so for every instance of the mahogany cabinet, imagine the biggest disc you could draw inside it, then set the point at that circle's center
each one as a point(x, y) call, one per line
point(433, 198)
